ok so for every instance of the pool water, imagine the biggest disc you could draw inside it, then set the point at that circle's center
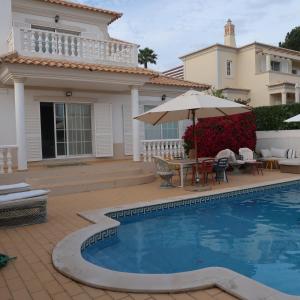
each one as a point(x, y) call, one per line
point(255, 234)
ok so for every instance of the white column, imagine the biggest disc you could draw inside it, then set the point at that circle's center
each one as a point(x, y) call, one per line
point(268, 62)
point(20, 123)
point(283, 97)
point(135, 124)
point(297, 93)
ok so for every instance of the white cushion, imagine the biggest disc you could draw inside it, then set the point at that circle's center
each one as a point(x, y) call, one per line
point(290, 162)
point(291, 154)
point(23, 195)
point(265, 153)
point(276, 152)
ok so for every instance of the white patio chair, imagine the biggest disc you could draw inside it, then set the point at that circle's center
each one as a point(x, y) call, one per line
point(247, 155)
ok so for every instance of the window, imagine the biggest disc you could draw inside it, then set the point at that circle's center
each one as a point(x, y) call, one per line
point(229, 67)
point(275, 66)
point(162, 131)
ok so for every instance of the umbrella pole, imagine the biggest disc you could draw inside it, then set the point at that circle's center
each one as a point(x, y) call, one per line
point(197, 178)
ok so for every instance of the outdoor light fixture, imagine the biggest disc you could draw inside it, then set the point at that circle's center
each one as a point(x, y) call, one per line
point(56, 19)
point(163, 97)
point(68, 94)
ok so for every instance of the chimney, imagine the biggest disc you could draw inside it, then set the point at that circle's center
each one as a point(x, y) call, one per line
point(229, 35)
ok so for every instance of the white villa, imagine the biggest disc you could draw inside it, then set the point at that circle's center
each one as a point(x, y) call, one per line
point(264, 74)
point(68, 89)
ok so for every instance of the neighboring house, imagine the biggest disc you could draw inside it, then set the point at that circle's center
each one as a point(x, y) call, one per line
point(67, 89)
point(265, 74)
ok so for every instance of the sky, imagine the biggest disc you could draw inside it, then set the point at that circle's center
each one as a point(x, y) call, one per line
point(173, 28)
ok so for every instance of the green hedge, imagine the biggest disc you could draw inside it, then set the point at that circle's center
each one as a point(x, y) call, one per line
point(272, 117)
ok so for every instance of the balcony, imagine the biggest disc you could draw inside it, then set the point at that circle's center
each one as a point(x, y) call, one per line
point(53, 45)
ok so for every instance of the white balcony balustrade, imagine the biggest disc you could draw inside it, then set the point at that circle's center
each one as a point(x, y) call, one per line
point(6, 162)
point(164, 148)
point(40, 43)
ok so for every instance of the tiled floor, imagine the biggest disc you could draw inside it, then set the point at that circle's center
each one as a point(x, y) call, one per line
point(32, 276)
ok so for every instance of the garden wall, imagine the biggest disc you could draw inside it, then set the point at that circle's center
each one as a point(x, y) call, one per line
point(283, 139)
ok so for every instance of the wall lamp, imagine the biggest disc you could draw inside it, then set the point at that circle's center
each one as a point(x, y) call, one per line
point(163, 97)
point(56, 18)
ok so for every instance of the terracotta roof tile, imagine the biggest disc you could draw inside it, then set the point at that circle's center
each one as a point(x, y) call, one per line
point(167, 80)
point(155, 78)
point(16, 59)
point(115, 15)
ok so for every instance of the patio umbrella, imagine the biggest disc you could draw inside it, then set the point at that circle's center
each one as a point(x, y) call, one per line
point(293, 119)
point(192, 105)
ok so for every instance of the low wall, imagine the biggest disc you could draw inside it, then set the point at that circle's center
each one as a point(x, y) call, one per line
point(283, 139)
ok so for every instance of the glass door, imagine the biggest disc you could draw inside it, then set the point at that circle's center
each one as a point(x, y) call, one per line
point(73, 128)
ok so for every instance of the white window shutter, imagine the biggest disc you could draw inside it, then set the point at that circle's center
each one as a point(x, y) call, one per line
point(127, 129)
point(33, 131)
point(103, 130)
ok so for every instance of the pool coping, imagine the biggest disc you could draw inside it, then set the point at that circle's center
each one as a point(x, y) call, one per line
point(67, 259)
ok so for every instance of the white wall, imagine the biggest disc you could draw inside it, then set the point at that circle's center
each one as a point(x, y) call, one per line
point(283, 139)
point(5, 24)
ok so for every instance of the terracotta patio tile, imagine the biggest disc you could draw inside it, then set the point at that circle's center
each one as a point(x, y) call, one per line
point(33, 285)
point(104, 297)
point(182, 296)
point(72, 288)
point(93, 292)
point(139, 296)
point(44, 276)
point(213, 291)
point(41, 295)
point(53, 287)
point(61, 296)
point(5, 294)
point(117, 295)
point(162, 297)
point(200, 295)
point(225, 296)
point(81, 297)
point(15, 284)
point(21, 295)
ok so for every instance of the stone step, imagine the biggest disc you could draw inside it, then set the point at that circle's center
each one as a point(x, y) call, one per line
point(87, 185)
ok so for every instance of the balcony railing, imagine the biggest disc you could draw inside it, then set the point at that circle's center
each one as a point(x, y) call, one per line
point(164, 148)
point(6, 162)
point(34, 42)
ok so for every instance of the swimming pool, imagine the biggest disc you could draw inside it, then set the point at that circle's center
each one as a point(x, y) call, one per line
point(255, 233)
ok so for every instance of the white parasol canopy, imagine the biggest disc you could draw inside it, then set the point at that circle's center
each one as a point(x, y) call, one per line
point(293, 119)
point(183, 106)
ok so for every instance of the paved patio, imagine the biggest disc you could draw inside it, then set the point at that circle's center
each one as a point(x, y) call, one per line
point(32, 275)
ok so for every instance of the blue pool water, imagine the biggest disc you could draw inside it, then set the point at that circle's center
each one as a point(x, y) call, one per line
point(256, 234)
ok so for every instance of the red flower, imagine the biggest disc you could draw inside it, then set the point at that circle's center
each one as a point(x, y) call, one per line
point(216, 134)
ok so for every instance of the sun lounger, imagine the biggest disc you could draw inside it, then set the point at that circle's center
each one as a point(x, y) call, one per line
point(23, 208)
point(14, 188)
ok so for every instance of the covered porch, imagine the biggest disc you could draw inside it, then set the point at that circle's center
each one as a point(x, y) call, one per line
point(59, 110)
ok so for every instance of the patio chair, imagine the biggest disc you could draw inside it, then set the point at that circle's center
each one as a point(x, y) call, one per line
point(206, 169)
point(164, 171)
point(220, 168)
point(24, 208)
point(247, 155)
point(14, 188)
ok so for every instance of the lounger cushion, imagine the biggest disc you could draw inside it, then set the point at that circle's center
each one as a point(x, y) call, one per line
point(22, 195)
point(265, 153)
point(290, 162)
point(14, 188)
point(276, 152)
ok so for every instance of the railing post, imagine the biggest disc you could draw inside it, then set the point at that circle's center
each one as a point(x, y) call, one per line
point(9, 160)
point(1, 161)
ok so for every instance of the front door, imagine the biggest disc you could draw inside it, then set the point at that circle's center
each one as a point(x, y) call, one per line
point(71, 128)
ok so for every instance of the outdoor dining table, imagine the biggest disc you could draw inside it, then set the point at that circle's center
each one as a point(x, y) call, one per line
point(185, 163)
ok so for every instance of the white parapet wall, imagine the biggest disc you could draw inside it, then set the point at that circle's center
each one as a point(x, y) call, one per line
point(283, 139)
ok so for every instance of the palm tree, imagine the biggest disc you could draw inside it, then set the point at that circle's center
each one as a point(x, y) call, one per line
point(146, 56)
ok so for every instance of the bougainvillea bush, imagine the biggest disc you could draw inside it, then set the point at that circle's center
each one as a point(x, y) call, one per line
point(216, 134)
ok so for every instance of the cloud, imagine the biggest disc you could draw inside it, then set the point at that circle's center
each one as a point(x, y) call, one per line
point(175, 27)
